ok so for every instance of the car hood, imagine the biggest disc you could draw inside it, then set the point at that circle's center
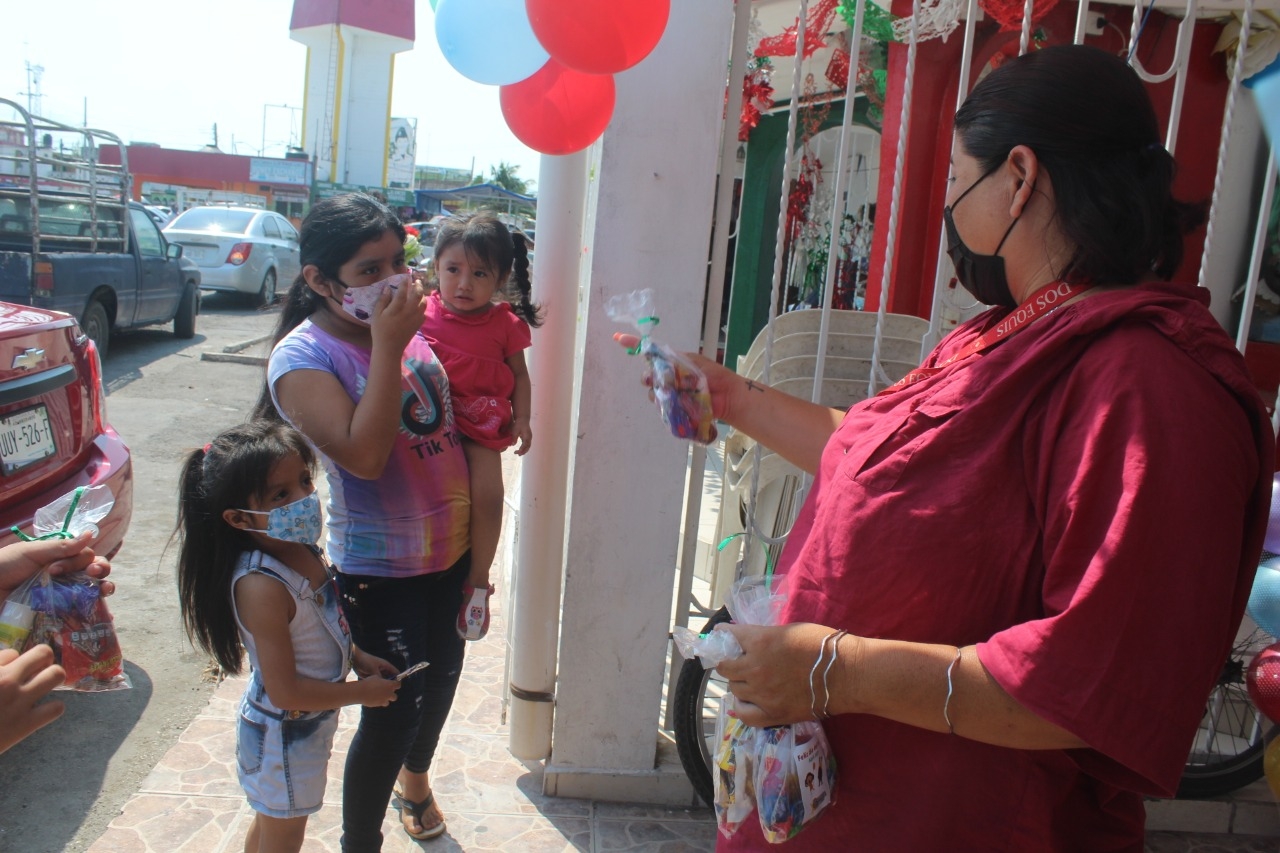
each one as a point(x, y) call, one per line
point(23, 317)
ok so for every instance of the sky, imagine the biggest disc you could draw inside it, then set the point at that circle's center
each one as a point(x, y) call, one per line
point(167, 71)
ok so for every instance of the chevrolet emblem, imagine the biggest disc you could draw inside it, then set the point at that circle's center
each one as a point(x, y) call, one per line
point(28, 359)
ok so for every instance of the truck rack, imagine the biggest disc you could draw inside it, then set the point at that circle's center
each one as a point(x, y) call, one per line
point(53, 188)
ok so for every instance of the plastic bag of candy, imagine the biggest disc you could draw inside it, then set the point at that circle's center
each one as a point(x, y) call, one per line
point(68, 612)
point(790, 771)
point(794, 777)
point(679, 387)
point(733, 769)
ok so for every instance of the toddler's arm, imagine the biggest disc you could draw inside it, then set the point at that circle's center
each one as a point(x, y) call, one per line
point(520, 403)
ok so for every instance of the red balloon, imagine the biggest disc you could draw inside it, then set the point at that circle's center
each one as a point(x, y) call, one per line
point(598, 36)
point(558, 110)
point(1263, 680)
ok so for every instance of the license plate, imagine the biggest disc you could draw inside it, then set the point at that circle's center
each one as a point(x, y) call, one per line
point(25, 438)
point(196, 255)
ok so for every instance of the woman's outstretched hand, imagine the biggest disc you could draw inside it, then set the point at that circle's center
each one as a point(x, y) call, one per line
point(720, 380)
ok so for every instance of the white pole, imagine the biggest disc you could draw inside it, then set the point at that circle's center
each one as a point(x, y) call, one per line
point(711, 327)
point(1259, 247)
point(942, 268)
point(536, 577)
point(838, 203)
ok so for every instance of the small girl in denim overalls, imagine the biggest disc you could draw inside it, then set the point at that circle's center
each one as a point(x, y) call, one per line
point(249, 572)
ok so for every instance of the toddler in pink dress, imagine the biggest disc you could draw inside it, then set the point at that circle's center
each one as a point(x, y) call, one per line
point(481, 342)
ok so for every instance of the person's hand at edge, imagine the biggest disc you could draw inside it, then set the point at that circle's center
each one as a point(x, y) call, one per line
point(25, 680)
point(20, 560)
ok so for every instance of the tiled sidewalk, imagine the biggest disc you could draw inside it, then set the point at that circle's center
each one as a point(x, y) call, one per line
point(192, 803)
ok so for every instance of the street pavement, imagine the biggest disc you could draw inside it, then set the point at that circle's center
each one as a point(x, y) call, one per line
point(61, 787)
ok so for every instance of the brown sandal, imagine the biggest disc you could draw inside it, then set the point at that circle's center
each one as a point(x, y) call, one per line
point(416, 810)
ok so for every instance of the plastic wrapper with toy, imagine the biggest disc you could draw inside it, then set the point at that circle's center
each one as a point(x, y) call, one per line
point(786, 774)
point(679, 387)
point(68, 612)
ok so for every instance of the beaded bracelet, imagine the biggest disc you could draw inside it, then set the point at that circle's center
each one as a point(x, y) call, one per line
point(946, 705)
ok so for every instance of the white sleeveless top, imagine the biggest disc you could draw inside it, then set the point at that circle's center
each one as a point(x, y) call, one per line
point(321, 640)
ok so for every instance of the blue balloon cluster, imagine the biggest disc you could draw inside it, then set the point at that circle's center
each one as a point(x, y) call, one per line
point(1264, 600)
point(489, 41)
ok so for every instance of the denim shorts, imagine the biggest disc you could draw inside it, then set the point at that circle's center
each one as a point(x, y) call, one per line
point(283, 759)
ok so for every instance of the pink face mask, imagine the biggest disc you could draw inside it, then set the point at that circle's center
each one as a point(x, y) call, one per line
point(360, 301)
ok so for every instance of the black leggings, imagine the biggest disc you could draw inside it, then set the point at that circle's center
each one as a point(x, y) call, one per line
point(404, 620)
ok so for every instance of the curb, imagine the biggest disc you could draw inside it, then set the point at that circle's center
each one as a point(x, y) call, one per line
point(231, 353)
point(233, 358)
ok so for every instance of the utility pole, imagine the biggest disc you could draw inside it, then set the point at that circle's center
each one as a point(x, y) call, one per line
point(34, 73)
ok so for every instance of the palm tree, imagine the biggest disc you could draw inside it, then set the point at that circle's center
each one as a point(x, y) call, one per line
point(504, 175)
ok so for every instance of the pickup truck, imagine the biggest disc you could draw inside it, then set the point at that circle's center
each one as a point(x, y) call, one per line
point(72, 240)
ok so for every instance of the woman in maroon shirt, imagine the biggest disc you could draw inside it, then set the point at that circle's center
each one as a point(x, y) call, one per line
point(1039, 543)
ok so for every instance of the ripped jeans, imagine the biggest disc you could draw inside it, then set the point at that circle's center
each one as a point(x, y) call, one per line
point(404, 620)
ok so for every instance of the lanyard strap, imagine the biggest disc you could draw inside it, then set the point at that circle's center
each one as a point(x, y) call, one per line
point(1038, 304)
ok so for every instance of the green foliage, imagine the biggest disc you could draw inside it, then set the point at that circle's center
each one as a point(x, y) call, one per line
point(505, 175)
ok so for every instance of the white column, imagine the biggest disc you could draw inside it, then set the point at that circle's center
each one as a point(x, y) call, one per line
point(648, 225)
point(536, 575)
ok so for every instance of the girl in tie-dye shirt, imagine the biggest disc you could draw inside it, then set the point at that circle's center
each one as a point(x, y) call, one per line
point(371, 397)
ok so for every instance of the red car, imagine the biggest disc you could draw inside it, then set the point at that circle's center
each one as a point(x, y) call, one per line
point(54, 434)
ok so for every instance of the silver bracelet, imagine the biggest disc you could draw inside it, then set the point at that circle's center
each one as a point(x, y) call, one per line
point(835, 655)
point(813, 695)
point(946, 706)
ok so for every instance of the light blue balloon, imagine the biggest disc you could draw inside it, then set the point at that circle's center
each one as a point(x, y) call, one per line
point(1264, 600)
point(489, 41)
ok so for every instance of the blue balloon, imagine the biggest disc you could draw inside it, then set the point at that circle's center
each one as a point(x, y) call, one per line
point(1264, 600)
point(489, 41)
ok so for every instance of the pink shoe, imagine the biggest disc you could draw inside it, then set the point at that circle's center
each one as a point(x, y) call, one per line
point(473, 618)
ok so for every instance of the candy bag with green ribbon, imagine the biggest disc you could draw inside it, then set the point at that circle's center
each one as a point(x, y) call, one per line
point(68, 612)
point(679, 387)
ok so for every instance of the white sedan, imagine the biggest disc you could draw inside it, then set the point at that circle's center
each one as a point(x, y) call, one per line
point(238, 249)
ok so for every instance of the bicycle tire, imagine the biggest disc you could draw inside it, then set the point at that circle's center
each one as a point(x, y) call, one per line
point(694, 720)
point(1228, 750)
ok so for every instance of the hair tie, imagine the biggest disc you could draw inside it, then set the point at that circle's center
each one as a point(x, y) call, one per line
point(207, 446)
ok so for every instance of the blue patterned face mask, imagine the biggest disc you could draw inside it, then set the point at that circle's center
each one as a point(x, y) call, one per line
point(299, 521)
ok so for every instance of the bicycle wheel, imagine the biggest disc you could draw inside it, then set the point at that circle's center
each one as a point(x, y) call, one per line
point(1227, 752)
point(697, 702)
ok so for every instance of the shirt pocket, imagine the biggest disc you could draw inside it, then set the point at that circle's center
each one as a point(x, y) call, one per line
point(879, 462)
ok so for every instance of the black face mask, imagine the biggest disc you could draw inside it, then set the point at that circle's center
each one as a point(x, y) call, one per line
point(982, 275)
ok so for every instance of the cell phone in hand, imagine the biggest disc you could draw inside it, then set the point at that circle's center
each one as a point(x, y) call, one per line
point(411, 670)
